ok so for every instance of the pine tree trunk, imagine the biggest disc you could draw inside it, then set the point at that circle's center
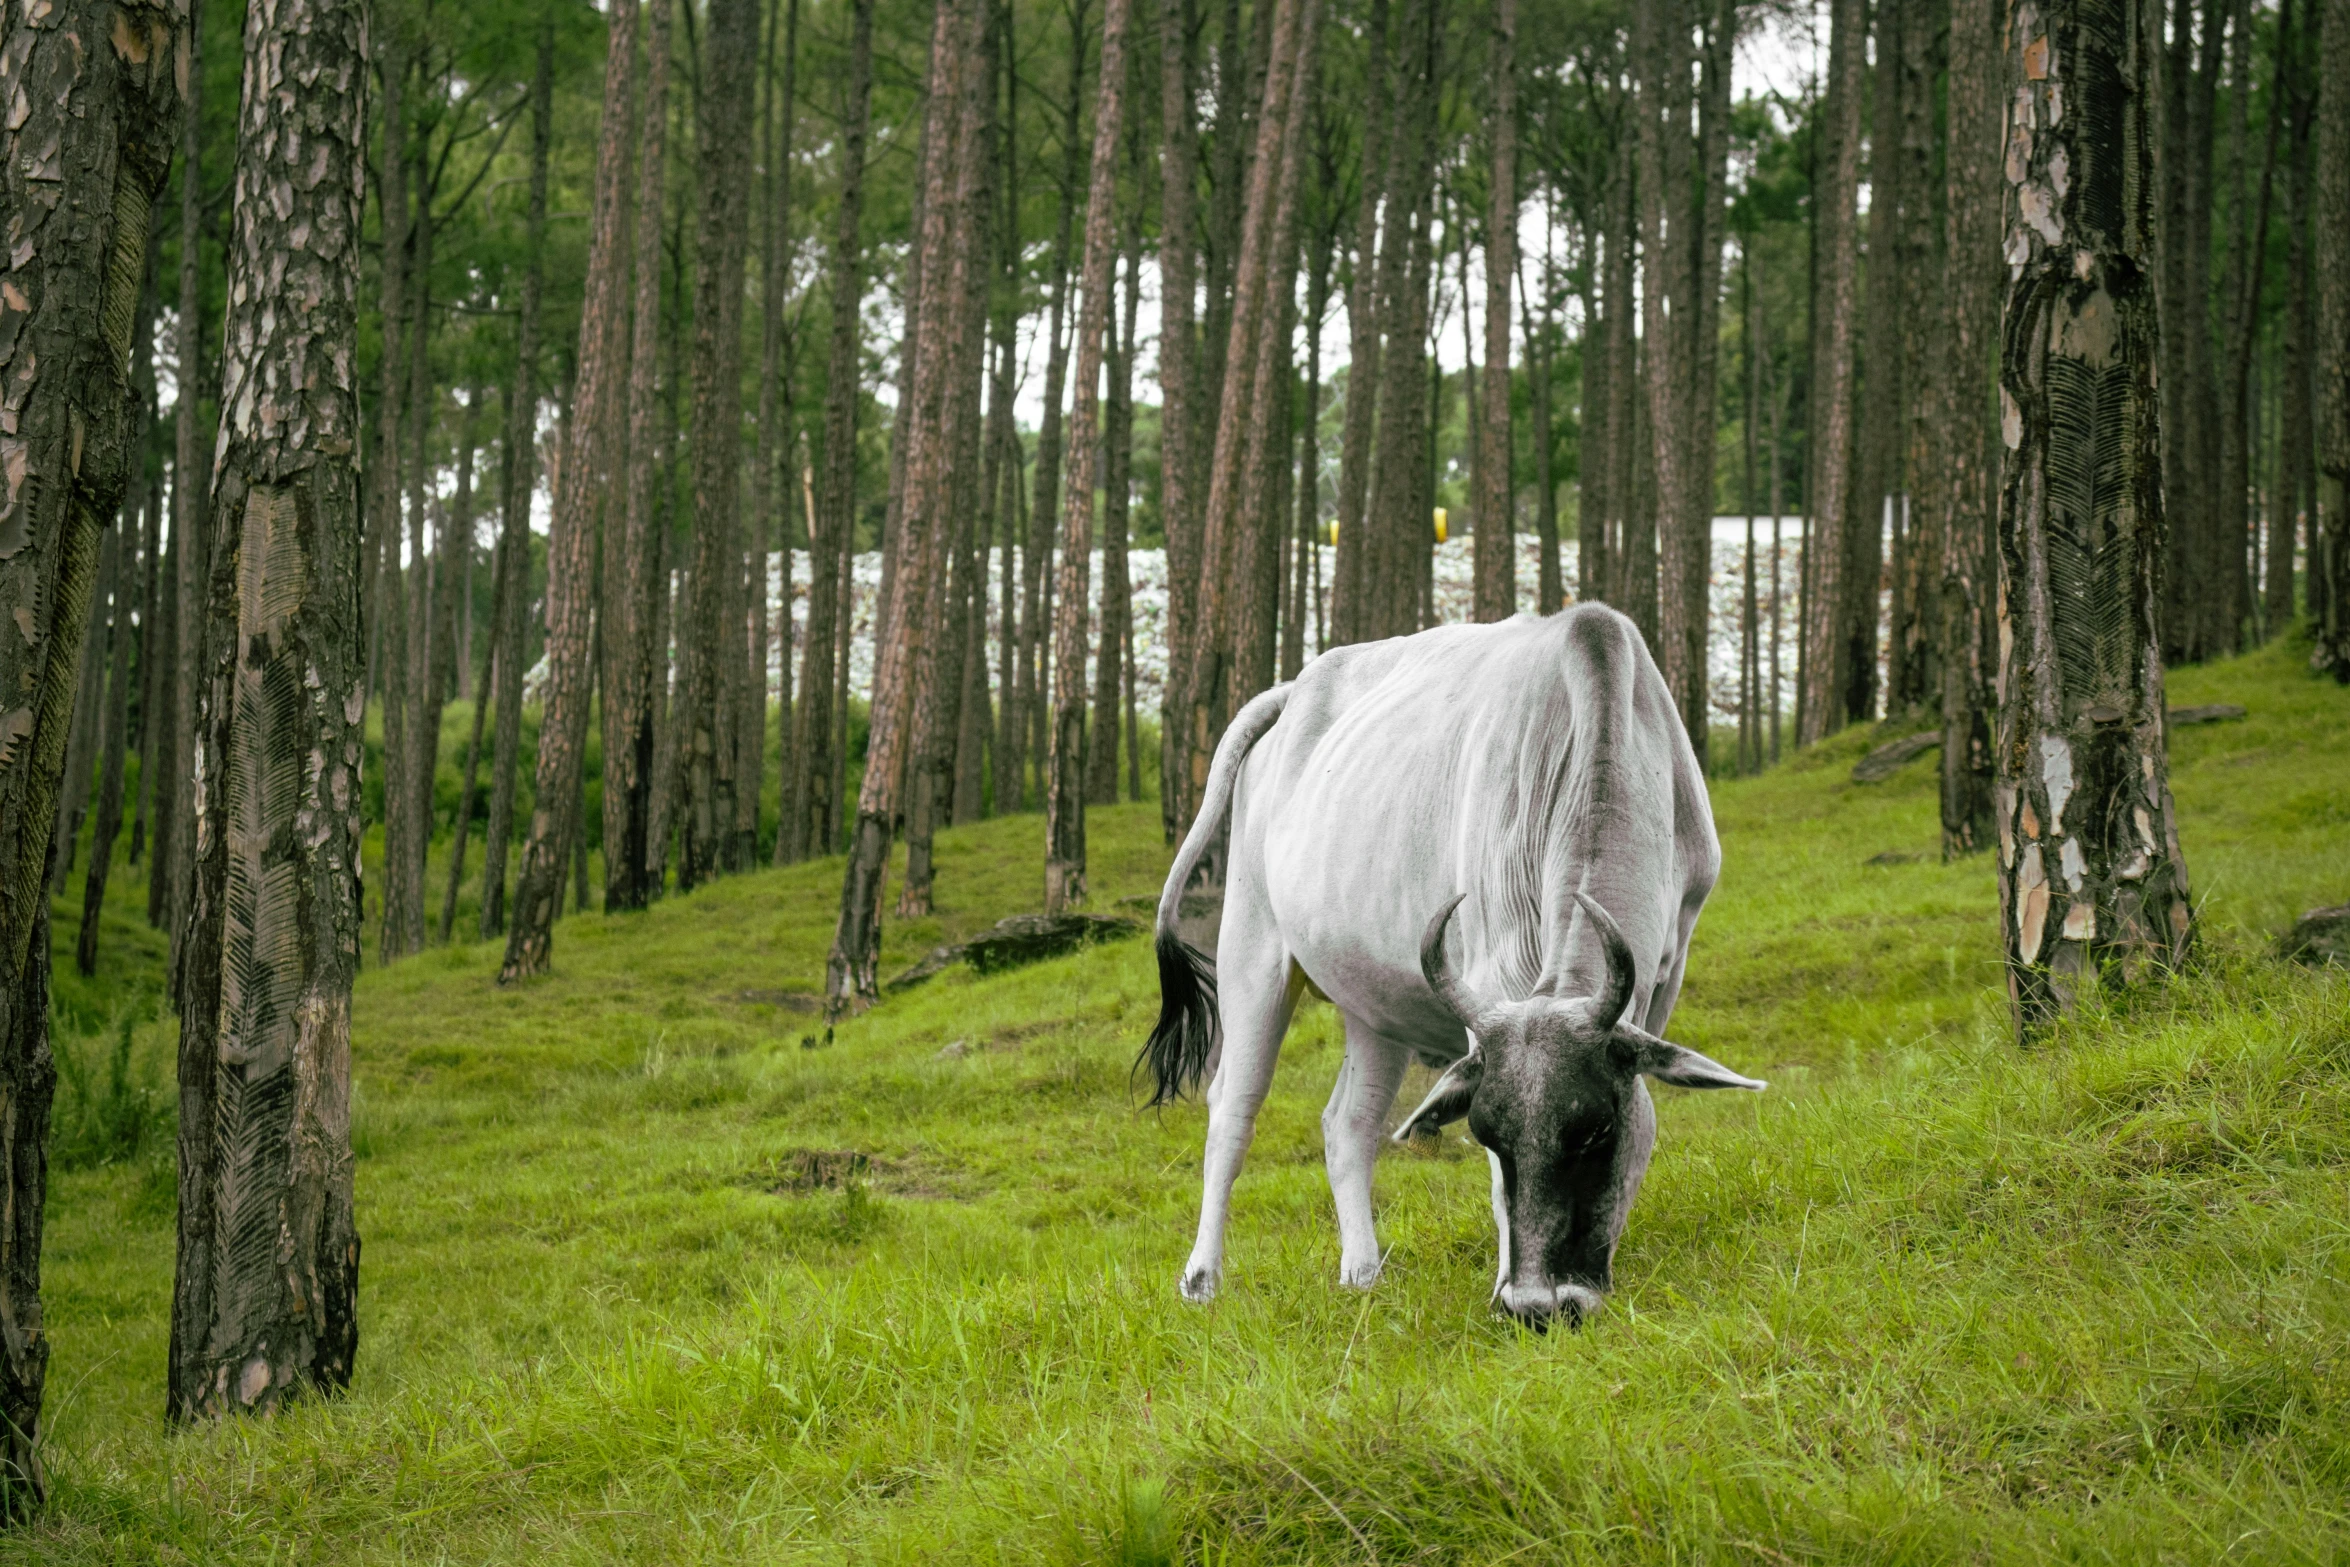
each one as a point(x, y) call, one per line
point(1885, 383)
point(2248, 271)
point(1550, 591)
point(465, 797)
point(1496, 551)
point(1382, 151)
point(1064, 856)
point(191, 475)
point(1399, 522)
point(81, 745)
point(1257, 534)
point(85, 149)
point(1179, 417)
point(408, 789)
point(1669, 348)
point(931, 768)
point(165, 748)
point(114, 569)
point(711, 635)
point(2092, 885)
point(635, 581)
point(1914, 670)
point(1223, 554)
point(582, 485)
point(902, 638)
point(1620, 562)
point(265, 1299)
point(1309, 444)
point(386, 517)
point(521, 482)
point(2329, 562)
point(829, 586)
point(1967, 463)
point(153, 660)
point(770, 484)
point(1828, 646)
point(2296, 450)
point(1117, 598)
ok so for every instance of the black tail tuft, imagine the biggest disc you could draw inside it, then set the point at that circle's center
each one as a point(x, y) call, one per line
point(1177, 1050)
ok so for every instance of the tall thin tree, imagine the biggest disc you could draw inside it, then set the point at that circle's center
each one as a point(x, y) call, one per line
point(582, 485)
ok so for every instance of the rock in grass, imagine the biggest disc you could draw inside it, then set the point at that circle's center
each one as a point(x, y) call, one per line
point(1020, 940)
point(2320, 938)
point(1891, 757)
point(2210, 713)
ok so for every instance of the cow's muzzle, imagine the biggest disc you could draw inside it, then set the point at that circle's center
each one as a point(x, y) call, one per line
point(1540, 1305)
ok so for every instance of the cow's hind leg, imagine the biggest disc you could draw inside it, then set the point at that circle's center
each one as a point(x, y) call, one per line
point(1256, 990)
point(1354, 1125)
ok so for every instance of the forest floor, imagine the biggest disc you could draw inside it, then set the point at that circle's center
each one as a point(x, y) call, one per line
point(647, 1279)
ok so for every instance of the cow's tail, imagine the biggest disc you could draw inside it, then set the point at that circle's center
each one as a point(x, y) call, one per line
point(1178, 1048)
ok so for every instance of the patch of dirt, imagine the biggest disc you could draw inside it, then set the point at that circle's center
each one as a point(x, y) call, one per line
point(803, 1172)
point(805, 1002)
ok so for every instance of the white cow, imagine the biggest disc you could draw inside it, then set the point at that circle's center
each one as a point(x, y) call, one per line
point(1534, 775)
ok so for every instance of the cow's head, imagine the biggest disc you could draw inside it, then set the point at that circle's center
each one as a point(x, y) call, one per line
point(1553, 1090)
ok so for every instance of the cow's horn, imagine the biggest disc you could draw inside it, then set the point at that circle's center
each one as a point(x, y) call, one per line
point(1621, 974)
point(1438, 973)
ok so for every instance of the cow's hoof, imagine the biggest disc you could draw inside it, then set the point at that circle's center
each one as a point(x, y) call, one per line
point(1358, 1275)
point(1199, 1286)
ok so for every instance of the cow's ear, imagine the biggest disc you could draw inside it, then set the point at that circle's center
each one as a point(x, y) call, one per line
point(1670, 1063)
point(1448, 1101)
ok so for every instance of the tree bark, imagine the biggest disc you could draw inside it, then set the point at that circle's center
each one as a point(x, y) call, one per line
point(153, 659)
point(82, 736)
point(1258, 534)
point(931, 768)
point(520, 457)
point(1222, 554)
point(83, 156)
point(710, 646)
point(1828, 643)
point(387, 513)
point(465, 797)
point(1045, 516)
point(2092, 884)
point(1550, 590)
point(2329, 563)
point(1064, 832)
point(265, 1298)
point(1178, 416)
point(1381, 172)
point(635, 586)
point(1914, 669)
point(770, 484)
point(191, 471)
point(116, 573)
point(902, 640)
point(829, 586)
point(1117, 599)
point(582, 485)
point(1967, 464)
point(2194, 604)
point(1496, 592)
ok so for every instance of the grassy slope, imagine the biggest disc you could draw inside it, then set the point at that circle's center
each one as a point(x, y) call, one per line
point(1927, 1299)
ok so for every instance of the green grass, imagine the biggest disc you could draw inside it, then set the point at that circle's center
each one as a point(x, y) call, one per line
point(1930, 1299)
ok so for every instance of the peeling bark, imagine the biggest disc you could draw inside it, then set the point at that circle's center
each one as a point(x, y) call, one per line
point(2092, 884)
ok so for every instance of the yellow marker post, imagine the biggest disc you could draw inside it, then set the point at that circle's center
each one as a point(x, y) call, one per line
point(1440, 535)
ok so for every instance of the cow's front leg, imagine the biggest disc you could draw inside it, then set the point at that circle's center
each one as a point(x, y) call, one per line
point(1354, 1125)
point(1254, 998)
